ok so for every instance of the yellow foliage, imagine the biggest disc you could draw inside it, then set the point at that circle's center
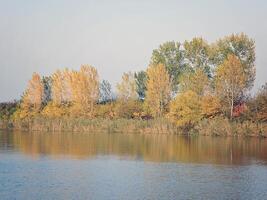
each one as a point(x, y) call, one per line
point(210, 105)
point(158, 89)
point(32, 98)
point(185, 109)
point(84, 86)
point(129, 109)
point(230, 81)
point(78, 88)
point(60, 87)
point(54, 110)
point(196, 81)
point(127, 87)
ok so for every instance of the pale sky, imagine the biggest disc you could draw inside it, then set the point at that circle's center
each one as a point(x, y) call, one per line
point(115, 36)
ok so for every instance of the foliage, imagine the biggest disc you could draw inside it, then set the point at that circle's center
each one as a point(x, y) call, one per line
point(185, 109)
point(7, 110)
point(129, 109)
point(127, 87)
point(32, 99)
point(196, 81)
point(105, 92)
point(54, 110)
point(257, 106)
point(242, 47)
point(196, 53)
point(106, 110)
point(47, 83)
point(191, 86)
point(231, 82)
point(60, 87)
point(140, 79)
point(84, 91)
point(158, 89)
point(170, 54)
point(210, 106)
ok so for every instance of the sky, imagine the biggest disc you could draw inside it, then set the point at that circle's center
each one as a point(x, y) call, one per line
point(114, 36)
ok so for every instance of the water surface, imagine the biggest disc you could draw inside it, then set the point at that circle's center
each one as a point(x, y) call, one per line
point(131, 166)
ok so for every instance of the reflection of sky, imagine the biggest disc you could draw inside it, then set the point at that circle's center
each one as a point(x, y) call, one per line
point(114, 36)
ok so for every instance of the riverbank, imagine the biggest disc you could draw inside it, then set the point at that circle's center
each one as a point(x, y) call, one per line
point(209, 127)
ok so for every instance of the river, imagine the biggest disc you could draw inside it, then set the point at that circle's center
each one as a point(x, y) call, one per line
point(130, 166)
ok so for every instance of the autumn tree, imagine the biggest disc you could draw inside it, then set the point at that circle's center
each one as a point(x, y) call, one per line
point(210, 105)
point(32, 98)
point(257, 106)
point(196, 81)
point(185, 109)
point(84, 90)
point(231, 81)
point(60, 90)
point(127, 87)
point(140, 79)
point(158, 89)
point(242, 47)
point(170, 54)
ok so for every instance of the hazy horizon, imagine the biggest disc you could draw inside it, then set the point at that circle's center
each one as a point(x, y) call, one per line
point(115, 37)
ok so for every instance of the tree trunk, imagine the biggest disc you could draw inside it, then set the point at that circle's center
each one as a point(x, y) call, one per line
point(232, 108)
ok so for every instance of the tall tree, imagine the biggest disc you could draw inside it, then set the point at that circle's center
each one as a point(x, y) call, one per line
point(32, 98)
point(140, 79)
point(105, 91)
point(196, 53)
point(242, 47)
point(170, 54)
point(158, 89)
point(231, 81)
point(60, 87)
point(127, 87)
point(84, 87)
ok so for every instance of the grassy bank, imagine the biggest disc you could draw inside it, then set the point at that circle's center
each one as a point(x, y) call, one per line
point(92, 125)
point(209, 127)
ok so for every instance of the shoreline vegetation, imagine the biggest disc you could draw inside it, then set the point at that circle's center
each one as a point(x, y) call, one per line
point(193, 88)
point(218, 126)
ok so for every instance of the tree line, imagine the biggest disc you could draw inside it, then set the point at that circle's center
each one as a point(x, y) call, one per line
point(184, 82)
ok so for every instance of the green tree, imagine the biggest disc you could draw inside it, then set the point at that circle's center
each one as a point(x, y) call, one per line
point(242, 47)
point(140, 79)
point(105, 91)
point(196, 54)
point(170, 54)
point(47, 83)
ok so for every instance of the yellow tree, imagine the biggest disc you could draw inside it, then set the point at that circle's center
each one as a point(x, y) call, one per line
point(196, 81)
point(210, 105)
point(84, 89)
point(60, 87)
point(32, 98)
point(158, 89)
point(185, 109)
point(127, 87)
point(231, 82)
